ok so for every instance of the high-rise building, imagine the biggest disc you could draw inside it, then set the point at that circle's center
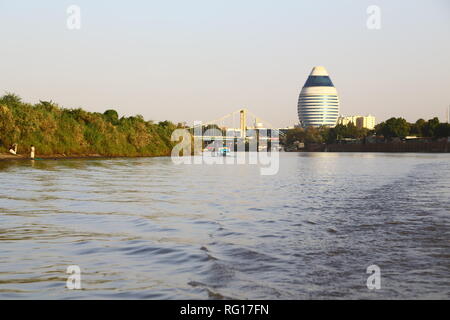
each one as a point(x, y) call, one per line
point(318, 104)
point(345, 120)
point(366, 122)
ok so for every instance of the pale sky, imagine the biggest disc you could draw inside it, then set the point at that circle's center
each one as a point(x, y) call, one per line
point(186, 60)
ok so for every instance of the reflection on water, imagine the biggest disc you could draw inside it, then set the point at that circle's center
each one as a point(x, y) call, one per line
point(145, 228)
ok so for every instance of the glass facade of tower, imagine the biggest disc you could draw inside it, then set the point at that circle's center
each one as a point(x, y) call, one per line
point(318, 104)
point(318, 81)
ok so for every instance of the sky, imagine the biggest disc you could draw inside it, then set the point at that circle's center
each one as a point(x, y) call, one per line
point(183, 61)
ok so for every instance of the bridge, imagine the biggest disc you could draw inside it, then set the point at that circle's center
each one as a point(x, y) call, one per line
point(241, 124)
point(236, 130)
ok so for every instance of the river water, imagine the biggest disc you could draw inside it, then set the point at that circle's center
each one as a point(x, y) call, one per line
point(148, 229)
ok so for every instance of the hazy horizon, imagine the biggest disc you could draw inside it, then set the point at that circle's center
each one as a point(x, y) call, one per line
point(199, 60)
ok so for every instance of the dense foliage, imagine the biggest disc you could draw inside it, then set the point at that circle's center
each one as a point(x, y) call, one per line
point(399, 127)
point(388, 130)
point(58, 131)
point(325, 134)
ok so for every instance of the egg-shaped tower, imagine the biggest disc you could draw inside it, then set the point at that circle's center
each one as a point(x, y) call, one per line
point(318, 104)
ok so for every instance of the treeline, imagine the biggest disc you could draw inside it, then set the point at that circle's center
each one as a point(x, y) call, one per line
point(387, 131)
point(58, 131)
point(313, 135)
point(400, 128)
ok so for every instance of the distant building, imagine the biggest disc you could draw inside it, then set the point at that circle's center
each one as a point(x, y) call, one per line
point(318, 104)
point(367, 122)
point(344, 120)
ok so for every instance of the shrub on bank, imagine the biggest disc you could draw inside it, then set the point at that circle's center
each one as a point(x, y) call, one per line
point(58, 131)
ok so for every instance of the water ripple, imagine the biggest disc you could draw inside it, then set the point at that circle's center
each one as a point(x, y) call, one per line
point(147, 229)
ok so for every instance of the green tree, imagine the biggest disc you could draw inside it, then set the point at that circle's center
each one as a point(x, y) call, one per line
point(296, 134)
point(417, 128)
point(9, 132)
point(431, 127)
point(442, 131)
point(313, 135)
point(393, 127)
point(112, 116)
point(10, 100)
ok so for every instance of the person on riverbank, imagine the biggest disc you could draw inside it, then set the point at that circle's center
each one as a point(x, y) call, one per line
point(32, 152)
point(13, 149)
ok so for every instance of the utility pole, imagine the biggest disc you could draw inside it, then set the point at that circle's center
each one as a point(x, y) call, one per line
point(448, 114)
point(243, 123)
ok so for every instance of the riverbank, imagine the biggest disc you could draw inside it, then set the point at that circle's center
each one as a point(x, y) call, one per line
point(56, 132)
point(11, 157)
point(412, 147)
